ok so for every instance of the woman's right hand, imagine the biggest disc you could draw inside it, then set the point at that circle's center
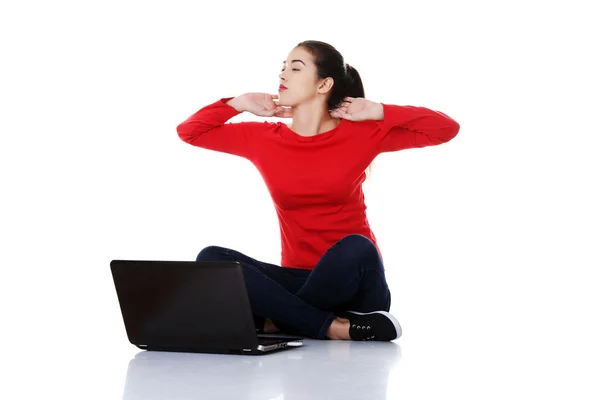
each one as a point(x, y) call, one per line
point(261, 104)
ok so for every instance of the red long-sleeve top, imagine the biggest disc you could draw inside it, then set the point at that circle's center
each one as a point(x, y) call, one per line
point(316, 182)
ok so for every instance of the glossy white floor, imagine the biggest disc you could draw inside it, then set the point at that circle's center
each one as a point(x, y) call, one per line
point(520, 348)
point(319, 370)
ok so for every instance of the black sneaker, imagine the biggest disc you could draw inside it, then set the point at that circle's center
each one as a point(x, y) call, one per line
point(377, 325)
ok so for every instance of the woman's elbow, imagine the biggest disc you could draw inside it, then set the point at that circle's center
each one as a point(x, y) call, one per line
point(184, 132)
point(450, 132)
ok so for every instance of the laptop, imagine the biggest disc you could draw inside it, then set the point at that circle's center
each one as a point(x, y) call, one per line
point(190, 306)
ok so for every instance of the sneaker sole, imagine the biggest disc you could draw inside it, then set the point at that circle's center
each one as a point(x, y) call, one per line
point(389, 316)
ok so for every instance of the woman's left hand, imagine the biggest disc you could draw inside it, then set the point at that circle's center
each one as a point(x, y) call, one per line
point(358, 109)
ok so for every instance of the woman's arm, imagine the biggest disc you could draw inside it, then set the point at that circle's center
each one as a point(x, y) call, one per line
point(399, 127)
point(207, 128)
point(405, 127)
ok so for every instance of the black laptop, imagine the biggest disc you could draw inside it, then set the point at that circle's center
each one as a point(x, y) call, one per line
point(190, 306)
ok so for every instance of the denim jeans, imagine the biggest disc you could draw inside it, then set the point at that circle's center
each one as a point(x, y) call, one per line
point(349, 276)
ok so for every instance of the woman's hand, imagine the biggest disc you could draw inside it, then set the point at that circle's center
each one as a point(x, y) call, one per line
point(261, 104)
point(358, 109)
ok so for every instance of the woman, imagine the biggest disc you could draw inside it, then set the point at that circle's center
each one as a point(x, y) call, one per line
point(331, 283)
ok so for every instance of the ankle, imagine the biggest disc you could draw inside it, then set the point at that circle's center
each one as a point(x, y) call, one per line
point(339, 329)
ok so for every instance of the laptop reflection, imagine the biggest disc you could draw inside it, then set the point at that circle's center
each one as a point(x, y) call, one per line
point(320, 369)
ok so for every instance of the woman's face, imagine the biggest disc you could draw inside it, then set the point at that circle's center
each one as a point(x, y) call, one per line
point(299, 76)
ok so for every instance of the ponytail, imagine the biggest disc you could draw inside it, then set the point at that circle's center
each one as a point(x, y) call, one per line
point(353, 83)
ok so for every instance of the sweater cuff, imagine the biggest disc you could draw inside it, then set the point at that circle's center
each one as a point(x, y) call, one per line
point(223, 102)
point(387, 117)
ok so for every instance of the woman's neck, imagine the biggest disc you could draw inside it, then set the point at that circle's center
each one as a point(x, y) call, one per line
point(311, 119)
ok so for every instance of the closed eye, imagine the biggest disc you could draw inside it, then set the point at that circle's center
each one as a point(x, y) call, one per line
point(293, 69)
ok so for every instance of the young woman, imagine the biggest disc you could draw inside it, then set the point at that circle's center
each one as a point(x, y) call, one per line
point(331, 283)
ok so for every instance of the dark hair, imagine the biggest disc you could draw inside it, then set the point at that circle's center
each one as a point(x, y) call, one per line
point(330, 63)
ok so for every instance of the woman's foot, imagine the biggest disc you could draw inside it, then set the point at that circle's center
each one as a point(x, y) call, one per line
point(270, 326)
point(377, 325)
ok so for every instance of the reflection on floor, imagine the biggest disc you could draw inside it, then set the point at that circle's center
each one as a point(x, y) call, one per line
point(318, 370)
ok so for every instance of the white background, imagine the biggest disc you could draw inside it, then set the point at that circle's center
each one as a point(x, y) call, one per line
point(490, 241)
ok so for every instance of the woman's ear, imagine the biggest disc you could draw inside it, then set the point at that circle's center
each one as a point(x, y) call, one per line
point(326, 85)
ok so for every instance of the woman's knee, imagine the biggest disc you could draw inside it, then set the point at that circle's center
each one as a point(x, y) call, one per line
point(213, 253)
point(360, 245)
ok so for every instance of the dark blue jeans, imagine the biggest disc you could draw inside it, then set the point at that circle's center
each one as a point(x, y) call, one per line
point(349, 276)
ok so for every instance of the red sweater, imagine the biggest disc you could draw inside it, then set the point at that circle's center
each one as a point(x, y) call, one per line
point(316, 182)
